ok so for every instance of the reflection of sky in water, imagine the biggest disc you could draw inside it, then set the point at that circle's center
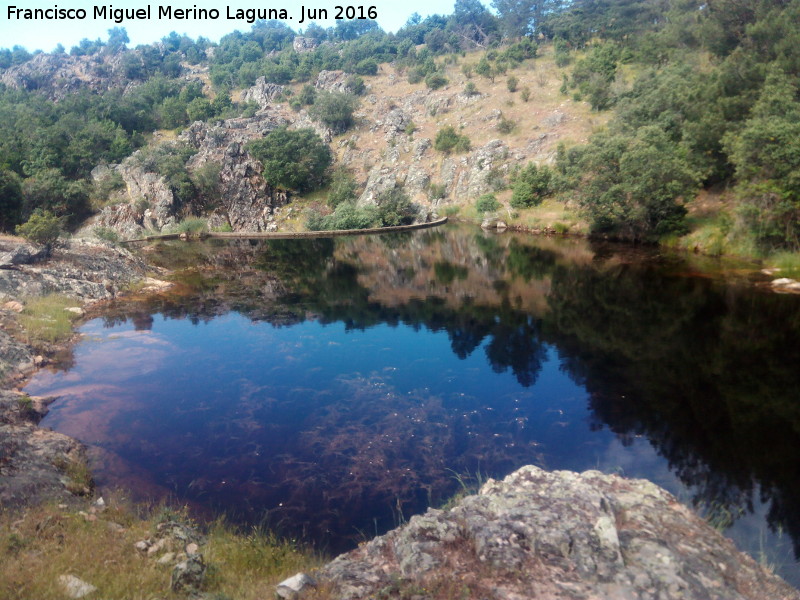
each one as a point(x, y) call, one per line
point(234, 413)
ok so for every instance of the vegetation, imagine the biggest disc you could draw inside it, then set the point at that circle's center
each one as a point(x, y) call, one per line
point(531, 185)
point(719, 81)
point(335, 110)
point(487, 203)
point(42, 228)
point(242, 563)
point(45, 319)
point(292, 159)
point(449, 140)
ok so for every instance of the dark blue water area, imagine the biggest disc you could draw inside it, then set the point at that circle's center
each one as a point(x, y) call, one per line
point(332, 399)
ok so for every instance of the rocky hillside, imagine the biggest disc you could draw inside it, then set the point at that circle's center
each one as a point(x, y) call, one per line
point(391, 145)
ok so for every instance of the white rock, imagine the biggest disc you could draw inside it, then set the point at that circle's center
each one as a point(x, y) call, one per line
point(166, 558)
point(782, 282)
point(192, 548)
point(75, 310)
point(156, 547)
point(289, 588)
point(74, 587)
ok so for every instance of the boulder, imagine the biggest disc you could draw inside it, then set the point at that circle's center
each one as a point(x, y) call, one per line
point(557, 535)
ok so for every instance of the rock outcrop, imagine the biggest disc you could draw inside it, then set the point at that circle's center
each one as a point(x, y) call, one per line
point(558, 535)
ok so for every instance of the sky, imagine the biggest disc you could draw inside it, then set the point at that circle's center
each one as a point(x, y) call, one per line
point(46, 34)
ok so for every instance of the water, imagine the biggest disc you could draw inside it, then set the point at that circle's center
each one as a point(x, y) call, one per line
point(333, 388)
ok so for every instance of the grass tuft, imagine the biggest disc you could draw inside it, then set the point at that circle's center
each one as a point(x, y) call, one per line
point(46, 319)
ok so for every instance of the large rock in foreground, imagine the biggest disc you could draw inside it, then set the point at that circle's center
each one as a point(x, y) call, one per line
point(557, 535)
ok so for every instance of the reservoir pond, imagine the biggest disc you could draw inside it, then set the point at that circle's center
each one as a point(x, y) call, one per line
point(332, 388)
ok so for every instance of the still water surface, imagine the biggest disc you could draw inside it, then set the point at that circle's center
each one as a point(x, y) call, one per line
point(332, 388)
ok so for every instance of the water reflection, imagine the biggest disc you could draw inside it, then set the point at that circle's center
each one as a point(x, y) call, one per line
point(334, 384)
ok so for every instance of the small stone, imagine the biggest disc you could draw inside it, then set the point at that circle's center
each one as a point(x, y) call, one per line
point(166, 558)
point(156, 547)
point(38, 360)
point(290, 588)
point(75, 310)
point(74, 587)
point(192, 548)
point(100, 503)
point(142, 546)
point(14, 306)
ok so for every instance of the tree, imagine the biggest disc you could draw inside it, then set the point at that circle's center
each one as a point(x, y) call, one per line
point(335, 110)
point(630, 186)
point(10, 199)
point(42, 228)
point(531, 185)
point(766, 154)
point(448, 140)
point(117, 39)
point(292, 159)
point(522, 17)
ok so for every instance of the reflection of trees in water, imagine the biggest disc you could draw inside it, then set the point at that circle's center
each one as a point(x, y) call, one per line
point(709, 374)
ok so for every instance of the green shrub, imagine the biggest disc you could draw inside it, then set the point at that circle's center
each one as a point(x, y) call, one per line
point(470, 89)
point(292, 159)
point(506, 126)
point(395, 208)
point(487, 203)
point(512, 83)
point(335, 110)
point(525, 94)
point(437, 191)
point(448, 140)
point(531, 185)
point(43, 228)
point(343, 188)
point(435, 81)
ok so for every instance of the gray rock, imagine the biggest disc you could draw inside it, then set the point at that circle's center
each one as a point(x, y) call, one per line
point(302, 44)
point(188, 575)
point(262, 93)
point(294, 586)
point(559, 535)
point(24, 254)
point(74, 587)
point(332, 81)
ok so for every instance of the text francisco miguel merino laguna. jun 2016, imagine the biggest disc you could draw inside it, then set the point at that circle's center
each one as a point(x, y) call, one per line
point(167, 12)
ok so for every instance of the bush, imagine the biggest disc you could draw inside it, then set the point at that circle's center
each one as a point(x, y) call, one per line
point(470, 89)
point(395, 208)
point(292, 159)
point(506, 126)
point(531, 185)
point(448, 140)
point(512, 83)
point(435, 81)
point(343, 188)
point(346, 216)
point(42, 228)
point(487, 203)
point(437, 191)
point(525, 94)
point(335, 110)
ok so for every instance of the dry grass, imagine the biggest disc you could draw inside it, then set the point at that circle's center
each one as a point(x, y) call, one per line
point(46, 319)
point(47, 543)
point(98, 547)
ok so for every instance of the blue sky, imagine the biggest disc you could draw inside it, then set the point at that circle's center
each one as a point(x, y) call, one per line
point(45, 35)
